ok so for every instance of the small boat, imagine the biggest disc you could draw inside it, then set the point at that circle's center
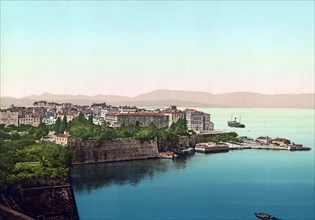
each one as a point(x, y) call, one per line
point(235, 124)
point(264, 216)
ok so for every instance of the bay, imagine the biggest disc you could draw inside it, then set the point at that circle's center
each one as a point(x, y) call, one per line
point(231, 185)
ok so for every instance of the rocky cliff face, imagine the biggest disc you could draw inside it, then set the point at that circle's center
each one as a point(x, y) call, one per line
point(176, 144)
point(90, 151)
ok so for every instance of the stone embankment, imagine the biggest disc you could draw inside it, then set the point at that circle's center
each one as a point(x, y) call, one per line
point(92, 151)
point(176, 144)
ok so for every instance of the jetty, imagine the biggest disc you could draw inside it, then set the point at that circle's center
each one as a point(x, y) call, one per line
point(267, 144)
point(211, 147)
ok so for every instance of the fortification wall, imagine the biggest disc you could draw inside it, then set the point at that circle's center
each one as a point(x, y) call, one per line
point(39, 199)
point(176, 144)
point(91, 151)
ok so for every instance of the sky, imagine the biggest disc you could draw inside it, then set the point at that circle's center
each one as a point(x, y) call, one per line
point(130, 48)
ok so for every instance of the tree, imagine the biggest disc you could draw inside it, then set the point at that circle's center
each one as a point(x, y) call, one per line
point(64, 124)
point(4, 135)
point(81, 119)
point(107, 133)
point(90, 120)
point(15, 135)
point(57, 126)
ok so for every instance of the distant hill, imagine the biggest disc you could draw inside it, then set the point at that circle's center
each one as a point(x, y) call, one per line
point(179, 98)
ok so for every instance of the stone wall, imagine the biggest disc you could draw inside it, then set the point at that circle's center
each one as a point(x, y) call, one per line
point(91, 151)
point(176, 144)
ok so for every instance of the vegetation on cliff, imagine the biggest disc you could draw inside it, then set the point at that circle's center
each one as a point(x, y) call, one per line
point(220, 138)
point(85, 129)
point(24, 159)
point(13, 132)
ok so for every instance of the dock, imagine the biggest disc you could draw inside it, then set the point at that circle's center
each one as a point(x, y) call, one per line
point(211, 148)
point(265, 147)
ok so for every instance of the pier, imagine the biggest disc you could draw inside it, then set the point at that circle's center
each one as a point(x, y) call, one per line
point(265, 147)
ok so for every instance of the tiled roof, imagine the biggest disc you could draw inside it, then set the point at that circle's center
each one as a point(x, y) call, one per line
point(136, 114)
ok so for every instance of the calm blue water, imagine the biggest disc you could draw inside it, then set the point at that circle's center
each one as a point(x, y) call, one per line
point(230, 185)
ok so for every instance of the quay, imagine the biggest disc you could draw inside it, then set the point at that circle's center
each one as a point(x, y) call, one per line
point(211, 147)
point(266, 147)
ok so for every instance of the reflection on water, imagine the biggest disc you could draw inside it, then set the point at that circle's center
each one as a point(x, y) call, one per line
point(93, 176)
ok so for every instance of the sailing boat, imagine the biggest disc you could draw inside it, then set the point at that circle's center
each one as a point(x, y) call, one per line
point(235, 124)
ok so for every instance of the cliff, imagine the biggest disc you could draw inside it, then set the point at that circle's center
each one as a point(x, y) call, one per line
point(176, 144)
point(91, 151)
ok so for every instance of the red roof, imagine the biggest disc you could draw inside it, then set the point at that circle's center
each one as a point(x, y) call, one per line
point(280, 140)
point(135, 114)
point(262, 138)
point(63, 135)
point(191, 110)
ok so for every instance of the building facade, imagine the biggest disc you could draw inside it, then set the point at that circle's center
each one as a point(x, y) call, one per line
point(144, 119)
point(198, 121)
point(63, 139)
point(173, 114)
point(29, 119)
point(8, 117)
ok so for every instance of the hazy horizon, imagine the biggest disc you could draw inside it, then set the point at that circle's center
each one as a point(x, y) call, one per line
point(132, 48)
point(129, 96)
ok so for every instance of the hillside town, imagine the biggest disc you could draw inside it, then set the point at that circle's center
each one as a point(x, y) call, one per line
point(114, 116)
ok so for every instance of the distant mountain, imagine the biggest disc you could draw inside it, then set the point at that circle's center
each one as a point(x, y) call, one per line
point(179, 98)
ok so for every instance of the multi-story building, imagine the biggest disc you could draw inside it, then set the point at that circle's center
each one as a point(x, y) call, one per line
point(208, 124)
point(29, 119)
point(280, 141)
point(108, 110)
point(62, 138)
point(173, 114)
point(198, 121)
point(49, 120)
point(8, 117)
point(69, 117)
point(144, 119)
point(41, 104)
point(125, 109)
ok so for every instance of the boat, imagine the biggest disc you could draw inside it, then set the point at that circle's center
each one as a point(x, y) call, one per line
point(235, 124)
point(167, 155)
point(265, 216)
point(211, 147)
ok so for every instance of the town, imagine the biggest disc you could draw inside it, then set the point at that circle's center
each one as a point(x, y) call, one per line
point(115, 116)
point(196, 122)
point(40, 144)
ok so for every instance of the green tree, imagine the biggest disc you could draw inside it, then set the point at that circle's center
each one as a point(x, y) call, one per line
point(57, 126)
point(81, 119)
point(4, 135)
point(64, 124)
point(15, 135)
point(107, 133)
point(90, 119)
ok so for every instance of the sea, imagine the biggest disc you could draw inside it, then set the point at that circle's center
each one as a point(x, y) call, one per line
point(232, 185)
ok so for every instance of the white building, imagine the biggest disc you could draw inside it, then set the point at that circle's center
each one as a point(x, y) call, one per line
point(198, 121)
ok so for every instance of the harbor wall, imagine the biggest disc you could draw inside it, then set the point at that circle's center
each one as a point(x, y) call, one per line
point(92, 151)
point(176, 144)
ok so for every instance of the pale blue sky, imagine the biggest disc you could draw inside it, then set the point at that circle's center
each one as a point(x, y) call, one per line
point(128, 48)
